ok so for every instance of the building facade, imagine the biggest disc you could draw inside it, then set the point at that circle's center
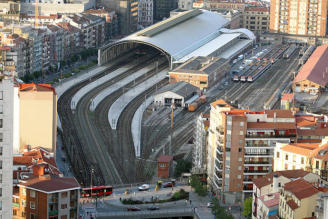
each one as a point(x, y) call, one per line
point(256, 19)
point(145, 14)
point(199, 160)
point(241, 145)
point(185, 4)
point(299, 17)
point(127, 11)
point(164, 166)
point(38, 116)
point(162, 9)
point(7, 141)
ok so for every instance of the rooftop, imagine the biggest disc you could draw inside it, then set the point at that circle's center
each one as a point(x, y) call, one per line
point(181, 88)
point(292, 204)
point(50, 184)
point(270, 200)
point(36, 87)
point(165, 159)
point(290, 174)
point(301, 188)
point(271, 125)
point(315, 69)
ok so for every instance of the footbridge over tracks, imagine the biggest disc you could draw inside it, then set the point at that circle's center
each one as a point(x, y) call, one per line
point(197, 32)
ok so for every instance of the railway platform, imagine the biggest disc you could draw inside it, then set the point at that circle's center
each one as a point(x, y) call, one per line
point(119, 105)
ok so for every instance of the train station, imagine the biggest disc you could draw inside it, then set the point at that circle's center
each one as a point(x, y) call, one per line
point(179, 38)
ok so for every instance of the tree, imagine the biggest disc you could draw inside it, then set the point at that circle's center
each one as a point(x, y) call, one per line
point(248, 208)
point(200, 189)
point(182, 167)
point(219, 211)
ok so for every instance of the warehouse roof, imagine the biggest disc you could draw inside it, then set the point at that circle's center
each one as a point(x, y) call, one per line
point(316, 68)
point(186, 33)
point(181, 88)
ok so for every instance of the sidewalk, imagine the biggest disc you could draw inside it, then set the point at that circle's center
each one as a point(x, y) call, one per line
point(200, 205)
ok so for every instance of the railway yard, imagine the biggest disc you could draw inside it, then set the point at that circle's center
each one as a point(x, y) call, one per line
point(96, 114)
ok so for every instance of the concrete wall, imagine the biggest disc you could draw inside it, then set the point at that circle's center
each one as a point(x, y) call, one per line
point(37, 119)
point(159, 99)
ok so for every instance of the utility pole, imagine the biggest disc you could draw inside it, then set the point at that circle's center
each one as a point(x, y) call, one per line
point(171, 133)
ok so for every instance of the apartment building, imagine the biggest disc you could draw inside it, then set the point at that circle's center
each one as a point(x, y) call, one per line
point(311, 128)
point(298, 200)
point(312, 157)
point(241, 145)
point(202, 72)
point(46, 196)
point(38, 116)
point(199, 160)
point(223, 4)
point(145, 13)
point(299, 17)
point(267, 190)
point(162, 9)
point(127, 11)
point(256, 19)
point(321, 209)
point(72, 39)
point(8, 139)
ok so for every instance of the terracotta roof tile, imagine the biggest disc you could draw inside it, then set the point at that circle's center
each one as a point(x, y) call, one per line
point(220, 102)
point(270, 200)
point(279, 113)
point(305, 149)
point(51, 184)
point(23, 160)
point(292, 204)
point(315, 69)
point(267, 179)
point(288, 97)
point(261, 9)
point(37, 87)
point(165, 158)
point(271, 125)
point(301, 188)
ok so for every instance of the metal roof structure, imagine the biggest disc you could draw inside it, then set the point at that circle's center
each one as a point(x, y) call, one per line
point(192, 33)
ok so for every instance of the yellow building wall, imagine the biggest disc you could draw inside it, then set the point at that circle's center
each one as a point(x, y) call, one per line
point(306, 208)
point(194, 79)
point(305, 86)
point(38, 119)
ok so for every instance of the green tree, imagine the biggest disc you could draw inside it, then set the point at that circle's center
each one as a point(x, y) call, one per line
point(248, 208)
point(219, 211)
point(200, 189)
point(182, 167)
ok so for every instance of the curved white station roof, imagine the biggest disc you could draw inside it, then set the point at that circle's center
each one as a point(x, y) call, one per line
point(182, 37)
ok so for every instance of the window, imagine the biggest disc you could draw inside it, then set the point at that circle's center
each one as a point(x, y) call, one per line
point(302, 160)
point(1, 150)
point(0, 164)
point(239, 176)
point(279, 185)
point(63, 206)
point(32, 194)
point(0, 192)
point(1, 95)
point(286, 166)
point(286, 158)
point(0, 205)
point(1, 109)
point(0, 178)
point(241, 123)
point(23, 202)
point(23, 191)
point(240, 159)
point(239, 167)
point(64, 194)
point(162, 165)
point(1, 137)
point(241, 132)
point(278, 154)
point(1, 123)
point(240, 149)
point(32, 204)
point(294, 158)
point(33, 216)
point(63, 217)
point(317, 164)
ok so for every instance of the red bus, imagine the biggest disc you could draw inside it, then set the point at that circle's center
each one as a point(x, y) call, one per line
point(97, 191)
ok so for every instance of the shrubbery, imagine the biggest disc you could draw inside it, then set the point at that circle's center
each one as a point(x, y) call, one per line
point(200, 189)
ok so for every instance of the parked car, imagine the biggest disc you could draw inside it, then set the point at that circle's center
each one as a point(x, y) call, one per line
point(167, 184)
point(134, 209)
point(153, 208)
point(210, 205)
point(144, 187)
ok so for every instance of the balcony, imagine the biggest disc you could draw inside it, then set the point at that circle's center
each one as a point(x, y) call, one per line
point(257, 163)
point(219, 150)
point(270, 136)
point(255, 172)
point(258, 155)
point(220, 159)
point(264, 146)
point(247, 189)
point(15, 205)
point(220, 130)
point(53, 213)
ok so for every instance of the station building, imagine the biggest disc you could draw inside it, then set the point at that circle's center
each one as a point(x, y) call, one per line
point(313, 76)
point(189, 34)
point(177, 93)
point(202, 72)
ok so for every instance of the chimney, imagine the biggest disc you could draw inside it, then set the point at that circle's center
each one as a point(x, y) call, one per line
point(38, 170)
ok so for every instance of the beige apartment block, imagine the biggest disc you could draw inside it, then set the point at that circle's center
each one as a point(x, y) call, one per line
point(299, 17)
point(38, 116)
